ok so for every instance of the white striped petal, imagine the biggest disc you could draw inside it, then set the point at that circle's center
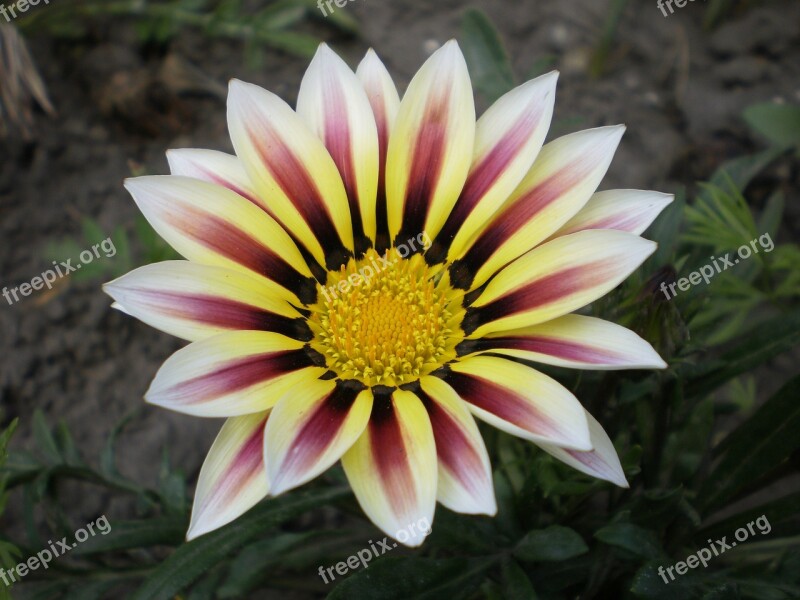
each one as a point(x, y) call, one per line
point(507, 140)
point(555, 279)
point(385, 103)
point(214, 167)
point(289, 165)
point(212, 225)
point(601, 462)
point(232, 479)
point(430, 150)
point(335, 106)
point(573, 341)
point(231, 374)
point(465, 475)
point(310, 429)
point(392, 467)
point(561, 180)
point(626, 210)
point(519, 400)
point(193, 301)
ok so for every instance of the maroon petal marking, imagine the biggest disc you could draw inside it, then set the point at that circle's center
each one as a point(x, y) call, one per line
point(338, 143)
point(558, 348)
point(482, 177)
point(217, 234)
point(426, 166)
point(453, 448)
point(249, 463)
point(296, 182)
point(538, 293)
point(318, 431)
point(237, 375)
point(221, 312)
point(515, 217)
point(390, 455)
point(502, 402)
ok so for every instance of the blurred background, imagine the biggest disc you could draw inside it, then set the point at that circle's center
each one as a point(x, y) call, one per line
point(92, 92)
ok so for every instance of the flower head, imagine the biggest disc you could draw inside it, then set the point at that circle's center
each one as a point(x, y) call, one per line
point(368, 275)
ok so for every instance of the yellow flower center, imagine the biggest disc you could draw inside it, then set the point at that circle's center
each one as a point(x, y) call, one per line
point(386, 320)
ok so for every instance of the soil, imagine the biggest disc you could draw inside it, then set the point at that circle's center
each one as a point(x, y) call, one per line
point(679, 88)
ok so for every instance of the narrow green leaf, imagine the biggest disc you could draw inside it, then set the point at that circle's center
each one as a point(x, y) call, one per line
point(516, 584)
point(401, 578)
point(189, 562)
point(44, 438)
point(489, 66)
point(129, 535)
point(756, 447)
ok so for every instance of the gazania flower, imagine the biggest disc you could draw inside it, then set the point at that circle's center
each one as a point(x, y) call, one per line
point(368, 275)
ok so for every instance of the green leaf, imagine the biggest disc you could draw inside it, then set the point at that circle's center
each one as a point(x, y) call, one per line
point(551, 544)
point(751, 350)
point(489, 66)
point(779, 123)
point(741, 171)
point(44, 438)
point(636, 540)
point(401, 578)
point(516, 585)
point(129, 535)
point(756, 447)
point(189, 562)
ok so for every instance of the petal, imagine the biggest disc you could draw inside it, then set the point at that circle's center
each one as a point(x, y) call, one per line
point(311, 429)
point(231, 374)
point(572, 341)
point(214, 167)
point(519, 400)
point(392, 467)
point(211, 225)
point(290, 166)
point(465, 475)
point(334, 105)
point(430, 150)
point(564, 176)
point(194, 301)
point(507, 140)
point(601, 462)
point(556, 278)
point(232, 479)
point(385, 103)
point(626, 210)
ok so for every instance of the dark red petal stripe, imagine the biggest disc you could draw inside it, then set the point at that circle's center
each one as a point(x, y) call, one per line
point(295, 181)
point(501, 402)
point(482, 177)
point(453, 448)
point(382, 219)
point(426, 166)
point(319, 430)
point(338, 143)
point(237, 375)
point(515, 217)
point(390, 455)
point(543, 291)
point(217, 234)
point(559, 348)
point(248, 463)
point(222, 312)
